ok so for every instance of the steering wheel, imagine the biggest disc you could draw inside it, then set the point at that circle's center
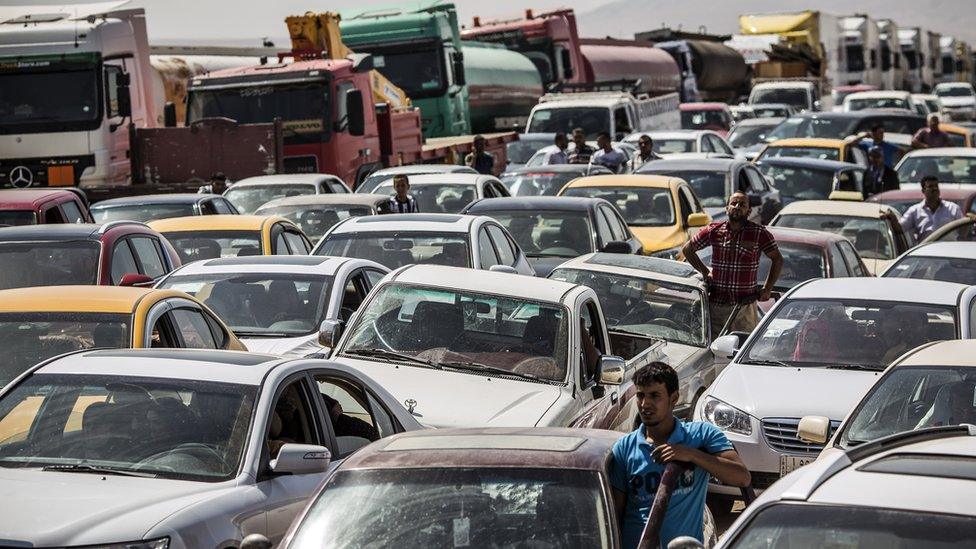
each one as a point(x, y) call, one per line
point(666, 322)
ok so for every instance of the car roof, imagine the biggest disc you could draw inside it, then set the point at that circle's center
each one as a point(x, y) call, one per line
point(956, 352)
point(229, 222)
point(550, 448)
point(59, 231)
point(190, 364)
point(456, 178)
point(635, 180)
point(142, 200)
point(812, 163)
point(505, 284)
point(27, 198)
point(968, 152)
point(637, 266)
point(77, 299)
point(904, 290)
point(783, 84)
point(291, 264)
point(772, 121)
point(703, 106)
point(871, 94)
point(668, 164)
point(559, 168)
point(417, 222)
point(328, 199)
point(809, 142)
point(948, 193)
point(846, 208)
point(423, 169)
point(562, 203)
point(770, 105)
point(858, 114)
point(283, 178)
point(672, 135)
point(954, 250)
point(804, 236)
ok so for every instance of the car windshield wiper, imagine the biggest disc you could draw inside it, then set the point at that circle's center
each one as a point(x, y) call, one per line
point(97, 469)
point(486, 369)
point(240, 333)
point(769, 362)
point(864, 367)
point(392, 356)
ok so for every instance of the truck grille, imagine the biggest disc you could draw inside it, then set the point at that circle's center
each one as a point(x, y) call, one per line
point(780, 434)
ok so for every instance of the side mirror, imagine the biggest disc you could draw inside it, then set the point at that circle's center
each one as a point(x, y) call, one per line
point(135, 279)
point(814, 429)
point(755, 200)
point(611, 369)
point(503, 269)
point(726, 346)
point(816, 105)
point(169, 114)
point(697, 220)
point(301, 459)
point(329, 333)
point(356, 116)
point(257, 541)
point(457, 59)
point(617, 247)
point(683, 542)
point(122, 92)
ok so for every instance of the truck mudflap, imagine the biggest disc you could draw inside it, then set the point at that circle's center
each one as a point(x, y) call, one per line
point(452, 150)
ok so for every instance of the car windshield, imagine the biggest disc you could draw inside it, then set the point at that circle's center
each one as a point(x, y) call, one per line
point(455, 328)
point(436, 197)
point(811, 126)
point(819, 526)
point(856, 332)
point(140, 426)
point(949, 169)
point(30, 338)
point(796, 96)
point(49, 93)
point(593, 120)
point(705, 120)
point(140, 212)
point(537, 183)
point(548, 233)
point(17, 217)
point(672, 146)
point(24, 264)
point(249, 198)
point(946, 269)
point(417, 69)
point(771, 112)
point(260, 304)
point(519, 152)
point(748, 136)
point(801, 262)
point(954, 91)
point(860, 104)
point(651, 308)
point(396, 249)
point(197, 245)
point(315, 221)
point(871, 237)
point(640, 206)
point(782, 151)
point(709, 185)
point(458, 507)
point(799, 183)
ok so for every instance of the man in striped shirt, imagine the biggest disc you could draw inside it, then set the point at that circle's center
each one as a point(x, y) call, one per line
point(402, 201)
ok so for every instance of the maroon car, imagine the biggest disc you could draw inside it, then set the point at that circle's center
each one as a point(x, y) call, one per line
point(902, 199)
point(119, 252)
point(43, 206)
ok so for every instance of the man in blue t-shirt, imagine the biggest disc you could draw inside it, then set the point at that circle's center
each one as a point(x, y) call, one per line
point(867, 141)
point(639, 459)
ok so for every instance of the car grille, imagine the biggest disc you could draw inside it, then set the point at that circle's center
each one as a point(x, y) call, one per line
point(780, 433)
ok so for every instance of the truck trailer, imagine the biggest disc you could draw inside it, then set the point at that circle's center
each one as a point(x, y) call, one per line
point(808, 32)
point(503, 86)
point(914, 49)
point(893, 68)
point(862, 46)
point(608, 60)
point(710, 70)
point(956, 59)
point(934, 57)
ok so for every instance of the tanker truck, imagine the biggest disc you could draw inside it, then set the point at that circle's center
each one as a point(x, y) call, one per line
point(503, 86)
point(859, 34)
point(710, 70)
point(893, 68)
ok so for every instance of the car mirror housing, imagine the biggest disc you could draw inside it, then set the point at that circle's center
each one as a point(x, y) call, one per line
point(301, 459)
point(503, 269)
point(617, 247)
point(726, 346)
point(697, 220)
point(611, 369)
point(814, 429)
point(135, 279)
point(329, 333)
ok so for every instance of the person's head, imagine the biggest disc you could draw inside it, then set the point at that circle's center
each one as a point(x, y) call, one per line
point(479, 143)
point(738, 207)
point(579, 137)
point(875, 156)
point(934, 122)
point(603, 141)
point(877, 133)
point(646, 144)
point(930, 189)
point(401, 184)
point(561, 140)
point(657, 393)
point(218, 182)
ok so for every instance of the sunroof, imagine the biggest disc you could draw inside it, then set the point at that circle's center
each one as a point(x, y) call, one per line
point(924, 465)
point(487, 442)
point(644, 263)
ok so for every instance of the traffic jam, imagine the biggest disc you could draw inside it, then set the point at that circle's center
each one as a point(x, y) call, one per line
point(410, 280)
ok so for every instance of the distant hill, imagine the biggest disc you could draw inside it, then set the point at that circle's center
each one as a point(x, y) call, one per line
point(623, 18)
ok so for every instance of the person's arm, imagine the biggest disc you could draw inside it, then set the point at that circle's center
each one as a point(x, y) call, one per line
point(909, 221)
point(774, 270)
point(917, 141)
point(726, 465)
point(690, 249)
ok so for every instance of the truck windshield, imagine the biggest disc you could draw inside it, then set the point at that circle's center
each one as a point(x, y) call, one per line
point(304, 108)
point(593, 120)
point(855, 58)
point(791, 96)
point(24, 264)
point(954, 91)
point(418, 70)
point(43, 94)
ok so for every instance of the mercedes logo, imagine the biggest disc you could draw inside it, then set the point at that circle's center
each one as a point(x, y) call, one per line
point(21, 177)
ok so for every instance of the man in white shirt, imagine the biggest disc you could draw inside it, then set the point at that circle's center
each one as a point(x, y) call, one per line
point(932, 212)
point(606, 155)
point(558, 156)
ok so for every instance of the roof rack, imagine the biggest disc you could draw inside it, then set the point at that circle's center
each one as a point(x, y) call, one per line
point(627, 85)
point(112, 224)
point(898, 440)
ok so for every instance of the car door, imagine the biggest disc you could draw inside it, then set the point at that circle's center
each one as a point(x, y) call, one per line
point(838, 266)
point(355, 415)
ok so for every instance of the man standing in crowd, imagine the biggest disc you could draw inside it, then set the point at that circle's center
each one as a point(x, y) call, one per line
point(218, 184)
point(558, 156)
point(932, 212)
point(879, 177)
point(644, 155)
point(402, 201)
point(932, 136)
point(875, 138)
point(582, 153)
point(483, 162)
point(606, 155)
point(736, 246)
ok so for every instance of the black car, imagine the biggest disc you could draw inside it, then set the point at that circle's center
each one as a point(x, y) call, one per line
point(547, 180)
point(160, 206)
point(838, 125)
point(715, 179)
point(810, 178)
point(552, 229)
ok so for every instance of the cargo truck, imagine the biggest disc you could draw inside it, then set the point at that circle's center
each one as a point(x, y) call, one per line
point(859, 34)
point(503, 86)
point(893, 68)
point(934, 64)
point(608, 60)
point(956, 58)
point(914, 49)
point(599, 108)
point(710, 70)
point(810, 34)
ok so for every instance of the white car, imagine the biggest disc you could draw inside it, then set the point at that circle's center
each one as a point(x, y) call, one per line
point(250, 194)
point(860, 101)
point(958, 100)
point(448, 193)
point(395, 240)
point(931, 101)
point(538, 159)
point(176, 449)
point(954, 166)
point(945, 261)
point(684, 142)
point(815, 353)
point(386, 174)
point(279, 304)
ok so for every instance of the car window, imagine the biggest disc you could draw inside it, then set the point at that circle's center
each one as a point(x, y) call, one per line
point(280, 245)
point(488, 190)
point(706, 144)
point(163, 333)
point(123, 262)
point(757, 184)
point(591, 339)
point(72, 213)
point(223, 207)
point(721, 145)
point(692, 199)
point(150, 256)
point(353, 295)
point(616, 220)
point(53, 215)
point(218, 331)
point(486, 250)
point(837, 264)
point(207, 208)
point(853, 260)
point(193, 329)
point(296, 243)
point(374, 277)
point(337, 186)
point(291, 419)
point(500, 189)
point(603, 230)
point(356, 419)
point(617, 230)
point(685, 207)
point(506, 252)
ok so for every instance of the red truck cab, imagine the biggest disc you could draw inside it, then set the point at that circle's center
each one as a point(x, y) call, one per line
point(43, 206)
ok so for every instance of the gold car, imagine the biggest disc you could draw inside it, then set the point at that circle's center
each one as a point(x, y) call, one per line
point(663, 212)
point(213, 236)
point(840, 150)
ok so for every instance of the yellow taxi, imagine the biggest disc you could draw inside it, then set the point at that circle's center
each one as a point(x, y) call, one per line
point(840, 150)
point(213, 236)
point(42, 322)
point(959, 135)
point(663, 212)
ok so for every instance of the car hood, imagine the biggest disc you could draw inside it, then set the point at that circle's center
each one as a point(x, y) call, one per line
point(454, 399)
point(770, 391)
point(655, 239)
point(293, 346)
point(544, 265)
point(51, 509)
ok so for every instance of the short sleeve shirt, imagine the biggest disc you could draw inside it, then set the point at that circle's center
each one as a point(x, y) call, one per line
point(933, 139)
point(735, 258)
point(920, 221)
point(613, 159)
point(634, 472)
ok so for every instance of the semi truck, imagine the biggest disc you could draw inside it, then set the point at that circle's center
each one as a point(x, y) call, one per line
point(956, 58)
point(503, 86)
point(607, 60)
point(809, 33)
point(893, 67)
point(599, 108)
point(914, 49)
point(710, 70)
point(862, 46)
point(934, 64)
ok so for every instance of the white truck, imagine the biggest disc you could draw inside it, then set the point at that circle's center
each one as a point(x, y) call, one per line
point(859, 35)
point(893, 66)
point(934, 58)
point(618, 113)
point(803, 93)
point(915, 49)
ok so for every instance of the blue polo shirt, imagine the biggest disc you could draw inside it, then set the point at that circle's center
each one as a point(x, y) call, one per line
point(633, 472)
point(890, 151)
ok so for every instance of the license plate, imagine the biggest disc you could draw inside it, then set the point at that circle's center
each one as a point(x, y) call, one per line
point(788, 464)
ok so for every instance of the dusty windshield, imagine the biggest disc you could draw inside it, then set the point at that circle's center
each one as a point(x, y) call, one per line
point(673, 146)
point(709, 185)
point(949, 169)
point(29, 338)
point(261, 305)
point(593, 120)
point(799, 183)
point(24, 264)
point(946, 269)
point(851, 333)
point(819, 153)
point(640, 206)
point(395, 250)
point(813, 126)
point(537, 183)
point(315, 221)
point(197, 245)
point(468, 331)
point(139, 426)
point(436, 197)
point(548, 233)
point(49, 93)
point(141, 212)
point(856, 104)
point(871, 237)
point(247, 199)
point(954, 91)
point(519, 152)
point(797, 97)
point(747, 136)
point(455, 507)
point(418, 71)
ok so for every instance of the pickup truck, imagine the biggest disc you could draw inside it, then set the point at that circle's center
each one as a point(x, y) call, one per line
point(465, 348)
point(618, 113)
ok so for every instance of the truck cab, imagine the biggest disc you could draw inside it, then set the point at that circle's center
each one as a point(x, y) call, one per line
point(617, 113)
point(859, 34)
point(800, 93)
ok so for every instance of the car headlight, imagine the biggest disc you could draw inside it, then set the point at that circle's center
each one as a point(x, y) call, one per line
point(726, 417)
point(670, 253)
point(160, 543)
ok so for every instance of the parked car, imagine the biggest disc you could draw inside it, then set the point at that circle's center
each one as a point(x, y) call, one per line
point(278, 304)
point(962, 230)
point(903, 199)
point(955, 165)
point(548, 179)
point(748, 137)
point(317, 214)
point(946, 261)
point(667, 143)
point(706, 116)
point(551, 229)
point(215, 236)
point(715, 179)
point(958, 100)
point(662, 211)
point(448, 193)
point(840, 150)
point(741, 113)
point(250, 194)
point(119, 252)
point(188, 449)
point(396, 240)
point(883, 99)
point(841, 92)
point(160, 206)
point(799, 179)
point(515, 352)
point(519, 152)
point(386, 174)
point(537, 160)
point(816, 353)
point(43, 206)
point(839, 125)
point(39, 323)
point(774, 110)
point(874, 229)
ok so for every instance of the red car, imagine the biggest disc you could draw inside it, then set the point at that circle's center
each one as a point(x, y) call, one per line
point(120, 252)
point(706, 116)
point(902, 199)
point(42, 206)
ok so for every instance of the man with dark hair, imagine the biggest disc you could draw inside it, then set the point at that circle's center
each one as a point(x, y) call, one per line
point(932, 212)
point(558, 156)
point(582, 152)
point(218, 184)
point(875, 138)
point(639, 459)
point(402, 201)
point(644, 154)
point(606, 155)
point(879, 177)
point(931, 136)
point(479, 159)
